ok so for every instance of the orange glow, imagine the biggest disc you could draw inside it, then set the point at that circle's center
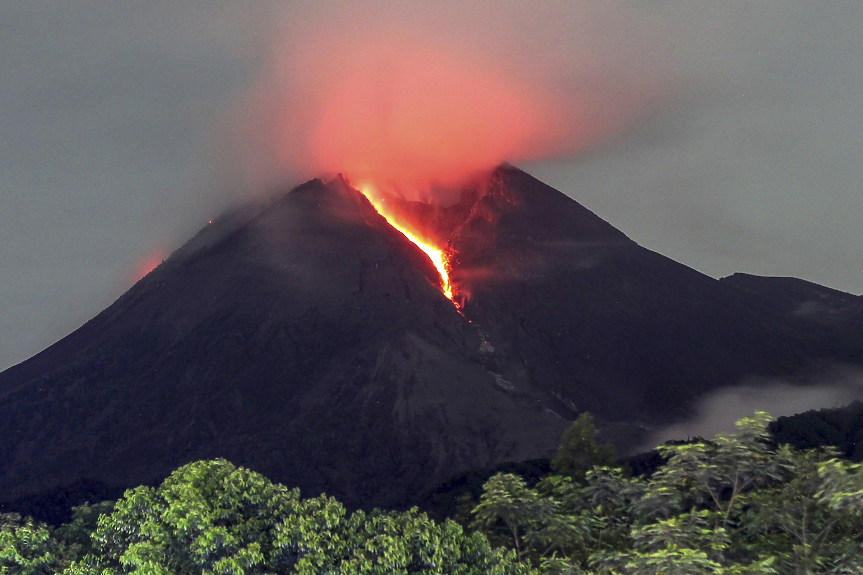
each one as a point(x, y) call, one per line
point(396, 111)
point(150, 263)
point(438, 257)
point(419, 118)
point(426, 97)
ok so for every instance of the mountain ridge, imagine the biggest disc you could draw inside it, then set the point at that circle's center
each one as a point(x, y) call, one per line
point(309, 340)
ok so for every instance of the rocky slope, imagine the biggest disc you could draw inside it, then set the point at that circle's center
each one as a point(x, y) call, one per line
point(310, 341)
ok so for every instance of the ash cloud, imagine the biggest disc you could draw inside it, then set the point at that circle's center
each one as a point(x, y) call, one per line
point(718, 411)
point(729, 130)
point(425, 96)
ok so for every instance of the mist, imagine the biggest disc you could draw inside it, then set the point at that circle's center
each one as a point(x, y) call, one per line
point(718, 411)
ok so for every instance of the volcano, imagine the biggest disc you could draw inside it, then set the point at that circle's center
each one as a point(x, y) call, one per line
point(311, 341)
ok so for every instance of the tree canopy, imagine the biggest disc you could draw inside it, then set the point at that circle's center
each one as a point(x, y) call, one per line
point(579, 451)
point(212, 517)
point(731, 505)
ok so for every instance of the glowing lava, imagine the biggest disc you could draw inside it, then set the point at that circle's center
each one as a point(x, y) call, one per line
point(438, 257)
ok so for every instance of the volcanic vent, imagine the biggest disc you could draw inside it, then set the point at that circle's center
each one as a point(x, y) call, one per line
point(310, 340)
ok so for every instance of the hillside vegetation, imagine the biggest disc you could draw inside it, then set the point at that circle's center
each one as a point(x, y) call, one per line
point(734, 504)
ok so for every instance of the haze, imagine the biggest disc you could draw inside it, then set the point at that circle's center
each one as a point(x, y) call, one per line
point(726, 136)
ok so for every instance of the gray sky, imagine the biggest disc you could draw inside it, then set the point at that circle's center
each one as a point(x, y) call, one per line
point(750, 159)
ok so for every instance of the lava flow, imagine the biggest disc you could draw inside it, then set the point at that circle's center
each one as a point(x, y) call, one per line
point(438, 257)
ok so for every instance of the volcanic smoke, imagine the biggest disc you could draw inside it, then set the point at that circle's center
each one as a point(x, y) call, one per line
point(407, 104)
point(396, 114)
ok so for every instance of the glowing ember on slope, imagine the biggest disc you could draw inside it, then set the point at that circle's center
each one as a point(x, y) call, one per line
point(438, 257)
point(151, 262)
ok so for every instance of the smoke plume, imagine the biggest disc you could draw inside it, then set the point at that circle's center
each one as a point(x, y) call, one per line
point(718, 411)
point(423, 97)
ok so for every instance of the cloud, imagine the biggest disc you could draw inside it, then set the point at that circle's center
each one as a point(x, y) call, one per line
point(718, 411)
point(423, 96)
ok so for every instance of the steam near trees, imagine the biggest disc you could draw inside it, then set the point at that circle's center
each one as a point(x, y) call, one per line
point(735, 504)
point(731, 505)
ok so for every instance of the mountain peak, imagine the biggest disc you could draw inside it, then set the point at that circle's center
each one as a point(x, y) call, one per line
point(310, 340)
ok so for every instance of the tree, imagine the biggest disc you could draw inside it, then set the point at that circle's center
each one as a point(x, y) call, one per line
point(579, 452)
point(803, 521)
point(602, 507)
point(211, 517)
point(714, 474)
point(508, 501)
point(76, 535)
point(732, 505)
point(28, 548)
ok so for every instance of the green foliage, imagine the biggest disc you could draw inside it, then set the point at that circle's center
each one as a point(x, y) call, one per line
point(508, 501)
point(682, 544)
point(731, 505)
point(715, 473)
point(578, 451)
point(805, 521)
point(211, 517)
point(76, 535)
point(28, 548)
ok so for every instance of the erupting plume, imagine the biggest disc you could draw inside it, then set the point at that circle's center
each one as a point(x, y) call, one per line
point(426, 101)
point(417, 117)
point(409, 105)
point(439, 257)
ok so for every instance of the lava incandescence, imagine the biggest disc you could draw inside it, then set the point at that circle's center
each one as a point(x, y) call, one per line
point(438, 257)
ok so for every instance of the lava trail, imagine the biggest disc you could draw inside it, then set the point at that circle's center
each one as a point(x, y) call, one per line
point(439, 257)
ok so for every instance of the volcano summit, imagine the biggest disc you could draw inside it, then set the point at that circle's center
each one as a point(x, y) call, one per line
point(311, 341)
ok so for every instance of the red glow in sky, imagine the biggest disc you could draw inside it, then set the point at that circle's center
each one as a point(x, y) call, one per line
point(407, 112)
point(416, 116)
point(150, 263)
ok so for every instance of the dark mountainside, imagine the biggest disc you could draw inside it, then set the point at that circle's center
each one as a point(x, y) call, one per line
point(310, 341)
point(841, 428)
point(837, 316)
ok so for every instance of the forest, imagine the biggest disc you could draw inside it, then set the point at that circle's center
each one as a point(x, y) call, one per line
point(737, 503)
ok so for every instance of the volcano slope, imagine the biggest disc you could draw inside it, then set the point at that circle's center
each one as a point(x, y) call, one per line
point(310, 341)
